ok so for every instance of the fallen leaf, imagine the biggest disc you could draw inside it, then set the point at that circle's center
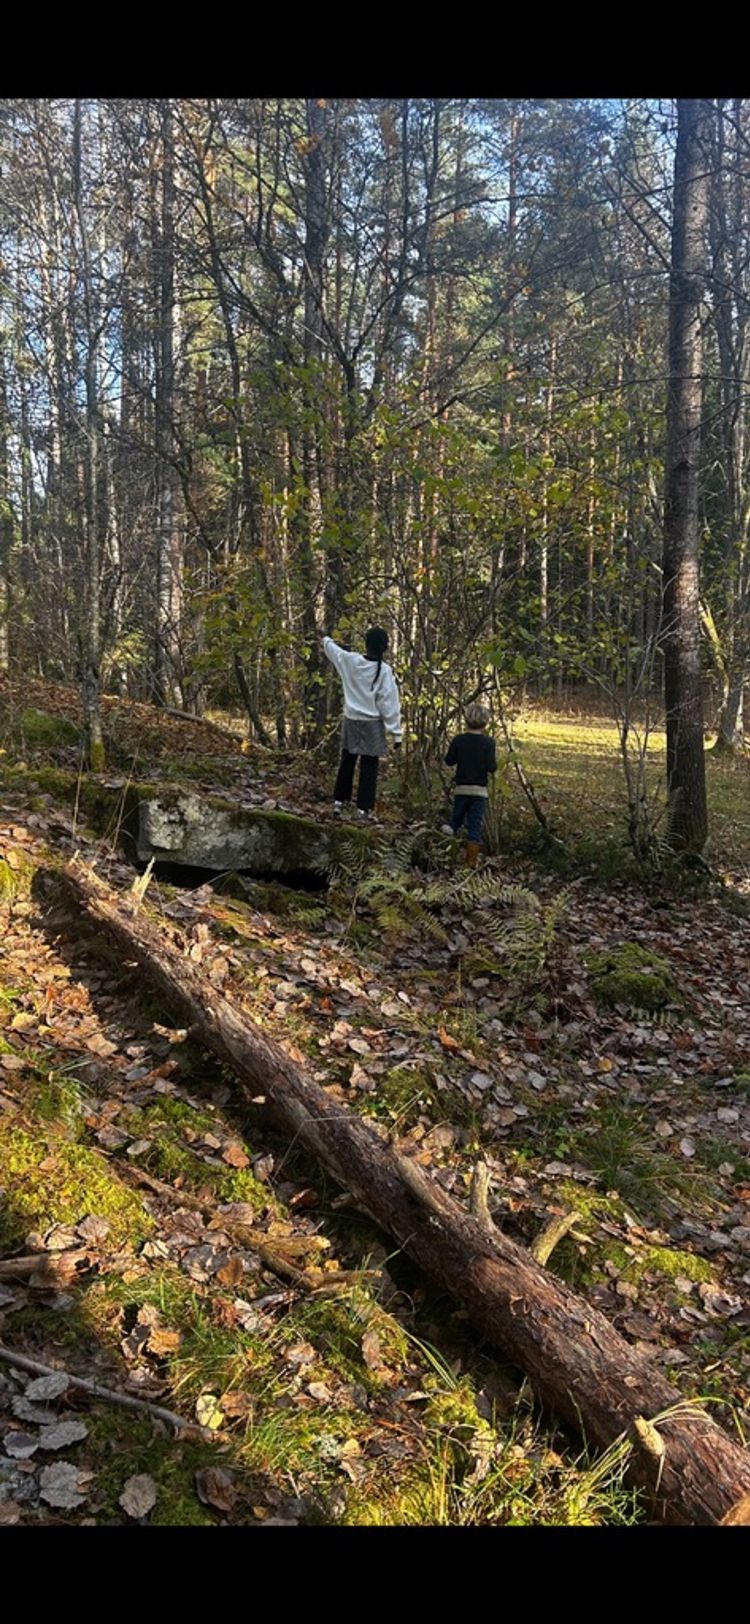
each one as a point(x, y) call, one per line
point(480, 1080)
point(301, 1354)
point(59, 1485)
point(138, 1496)
point(447, 1041)
point(24, 1411)
point(215, 1488)
point(93, 1229)
point(235, 1156)
point(663, 1130)
point(62, 1433)
point(101, 1046)
point(208, 1411)
point(20, 1445)
point(47, 1387)
point(372, 1352)
point(231, 1272)
point(60, 1238)
point(163, 1341)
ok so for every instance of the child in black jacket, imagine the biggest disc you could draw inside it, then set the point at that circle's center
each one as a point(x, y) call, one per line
point(474, 757)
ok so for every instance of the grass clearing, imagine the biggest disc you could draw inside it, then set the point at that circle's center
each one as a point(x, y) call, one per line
point(576, 767)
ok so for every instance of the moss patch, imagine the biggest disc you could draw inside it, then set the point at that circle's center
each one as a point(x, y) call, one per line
point(17, 871)
point(43, 731)
point(120, 1446)
point(51, 1181)
point(632, 975)
point(170, 1157)
point(407, 1093)
point(633, 1262)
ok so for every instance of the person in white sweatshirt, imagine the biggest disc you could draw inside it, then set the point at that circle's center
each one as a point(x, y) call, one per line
point(371, 707)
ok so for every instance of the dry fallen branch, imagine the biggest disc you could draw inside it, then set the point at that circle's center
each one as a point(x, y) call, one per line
point(578, 1364)
point(316, 1281)
point(107, 1395)
point(51, 1264)
point(544, 1245)
point(479, 1196)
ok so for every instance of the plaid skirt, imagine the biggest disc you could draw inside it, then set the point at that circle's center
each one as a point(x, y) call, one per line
point(361, 736)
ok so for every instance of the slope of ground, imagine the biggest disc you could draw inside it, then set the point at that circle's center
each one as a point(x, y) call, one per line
point(590, 1045)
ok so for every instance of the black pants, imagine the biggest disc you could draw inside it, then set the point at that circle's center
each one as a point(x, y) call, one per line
point(368, 780)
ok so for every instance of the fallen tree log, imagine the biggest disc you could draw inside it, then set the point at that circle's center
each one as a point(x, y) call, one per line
point(578, 1364)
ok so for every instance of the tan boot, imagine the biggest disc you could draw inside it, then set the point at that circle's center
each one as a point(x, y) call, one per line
point(472, 853)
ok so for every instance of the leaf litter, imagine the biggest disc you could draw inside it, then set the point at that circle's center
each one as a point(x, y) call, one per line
point(545, 1090)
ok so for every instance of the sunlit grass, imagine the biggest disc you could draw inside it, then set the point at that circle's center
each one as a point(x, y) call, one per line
point(576, 766)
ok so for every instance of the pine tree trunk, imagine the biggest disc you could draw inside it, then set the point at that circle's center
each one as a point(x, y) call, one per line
point(167, 564)
point(686, 773)
point(92, 632)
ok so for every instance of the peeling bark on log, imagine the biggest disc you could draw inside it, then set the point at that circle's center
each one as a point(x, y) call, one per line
point(578, 1364)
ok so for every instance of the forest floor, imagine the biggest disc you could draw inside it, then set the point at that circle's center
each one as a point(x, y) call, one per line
point(586, 1036)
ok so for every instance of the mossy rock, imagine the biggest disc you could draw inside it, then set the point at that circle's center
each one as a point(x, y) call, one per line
point(205, 831)
point(632, 975)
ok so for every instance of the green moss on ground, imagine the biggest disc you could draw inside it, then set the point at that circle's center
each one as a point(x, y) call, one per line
point(44, 731)
point(120, 1446)
point(337, 1326)
point(17, 869)
point(170, 1157)
point(632, 975)
point(633, 1262)
point(48, 1180)
point(406, 1093)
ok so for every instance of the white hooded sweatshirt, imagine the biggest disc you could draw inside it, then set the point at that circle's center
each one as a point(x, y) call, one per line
point(362, 702)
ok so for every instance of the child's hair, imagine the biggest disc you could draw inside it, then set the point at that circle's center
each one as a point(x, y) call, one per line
point(477, 715)
point(376, 643)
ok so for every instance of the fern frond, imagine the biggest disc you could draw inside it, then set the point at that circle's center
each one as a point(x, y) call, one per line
point(390, 919)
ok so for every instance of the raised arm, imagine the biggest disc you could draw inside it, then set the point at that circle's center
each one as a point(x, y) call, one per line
point(333, 652)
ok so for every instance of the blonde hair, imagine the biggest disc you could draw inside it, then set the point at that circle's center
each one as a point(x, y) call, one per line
point(477, 715)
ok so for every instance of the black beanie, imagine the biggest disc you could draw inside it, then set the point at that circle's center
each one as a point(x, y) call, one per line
point(376, 643)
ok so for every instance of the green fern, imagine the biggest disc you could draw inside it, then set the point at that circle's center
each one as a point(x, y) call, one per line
point(381, 880)
point(526, 940)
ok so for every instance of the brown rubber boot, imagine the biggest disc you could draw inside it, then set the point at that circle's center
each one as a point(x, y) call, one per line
point(472, 853)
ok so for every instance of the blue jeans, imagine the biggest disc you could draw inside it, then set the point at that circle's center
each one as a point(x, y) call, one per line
point(470, 807)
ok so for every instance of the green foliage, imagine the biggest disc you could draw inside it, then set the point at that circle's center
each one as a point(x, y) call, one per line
point(525, 943)
point(38, 730)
